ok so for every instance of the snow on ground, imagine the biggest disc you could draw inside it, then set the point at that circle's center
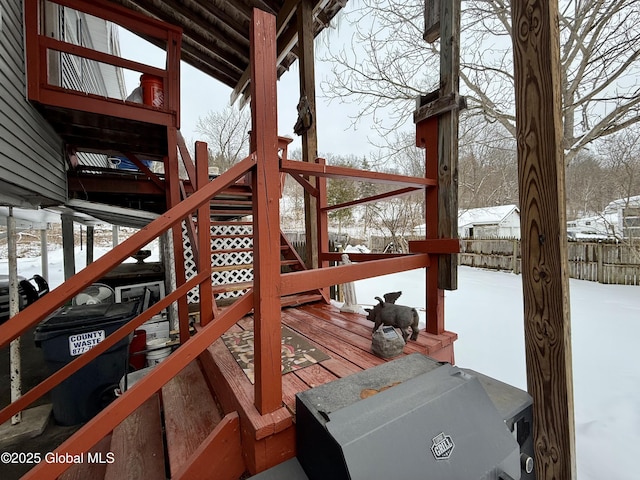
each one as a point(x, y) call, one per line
point(487, 314)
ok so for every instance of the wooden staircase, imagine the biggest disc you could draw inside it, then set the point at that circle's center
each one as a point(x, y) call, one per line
point(178, 433)
point(238, 243)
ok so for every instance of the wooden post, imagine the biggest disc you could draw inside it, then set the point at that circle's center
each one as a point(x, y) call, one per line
point(68, 241)
point(172, 177)
point(15, 363)
point(44, 254)
point(448, 140)
point(207, 305)
point(266, 214)
point(90, 235)
point(427, 138)
point(323, 222)
point(544, 240)
point(306, 61)
point(600, 272)
point(431, 20)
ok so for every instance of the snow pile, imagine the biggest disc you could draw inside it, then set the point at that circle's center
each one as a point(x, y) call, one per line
point(356, 249)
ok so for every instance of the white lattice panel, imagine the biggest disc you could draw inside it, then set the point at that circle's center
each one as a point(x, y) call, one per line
point(224, 237)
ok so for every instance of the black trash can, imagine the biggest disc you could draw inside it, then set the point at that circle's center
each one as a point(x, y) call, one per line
point(71, 331)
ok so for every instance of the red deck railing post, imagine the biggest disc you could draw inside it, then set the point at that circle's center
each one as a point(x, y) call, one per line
point(172, 177)
point(427, 137)
point(323, 223)
point(266, 214)
point(207, 305)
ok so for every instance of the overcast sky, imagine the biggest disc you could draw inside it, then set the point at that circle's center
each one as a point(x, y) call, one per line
point(201, 94)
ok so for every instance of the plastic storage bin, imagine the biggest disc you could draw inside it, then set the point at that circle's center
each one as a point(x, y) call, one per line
point(68, 333)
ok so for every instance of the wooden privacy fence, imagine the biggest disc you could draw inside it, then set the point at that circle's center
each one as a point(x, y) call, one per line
point(617, 264)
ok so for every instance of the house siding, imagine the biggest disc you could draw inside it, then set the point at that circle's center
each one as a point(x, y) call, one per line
point(31, 153)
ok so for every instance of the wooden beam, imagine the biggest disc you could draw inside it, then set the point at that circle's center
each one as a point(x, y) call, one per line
point(329, 171)
point(431, 20)
point(207, 305)
point(266, 215)
point(375, 198)
point(448, 140)
point(306, 58)
point(68, 250)
point(172, 177)
point(297, 282)
point(545, 280)
point(284, 16)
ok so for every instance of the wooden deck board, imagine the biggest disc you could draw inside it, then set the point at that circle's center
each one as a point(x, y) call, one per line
point(137, 444)
point(332, 345)
point(315, 375)
point(87, 469)
point(187, 392)
point(356, 324)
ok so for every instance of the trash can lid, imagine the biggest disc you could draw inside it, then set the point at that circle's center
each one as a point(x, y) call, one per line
point(80, 317)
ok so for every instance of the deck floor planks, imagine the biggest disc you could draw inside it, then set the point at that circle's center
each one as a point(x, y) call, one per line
point(331, 344)
point(315, 375)
point(86, 469)
point(137, 444)
point(291, 386)
point(428, 341)
point(188, 392)
point(352, 324)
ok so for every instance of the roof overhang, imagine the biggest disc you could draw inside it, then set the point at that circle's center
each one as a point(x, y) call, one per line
point(216, 32)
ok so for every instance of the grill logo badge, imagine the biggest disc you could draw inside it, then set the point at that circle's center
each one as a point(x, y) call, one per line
point(442, 446)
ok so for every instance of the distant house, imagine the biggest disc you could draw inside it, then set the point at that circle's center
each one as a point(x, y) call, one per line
point(502, 221)
point(620, 219)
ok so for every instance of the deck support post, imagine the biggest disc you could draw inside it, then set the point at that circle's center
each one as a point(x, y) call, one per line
point(427, 138)
point(44, 254)
point(172, 177)
point(322, 217)
point(68, 253)
point(14, 306)
point(90, 238)
point(306, 60)
point(545, 282)
point(266, 215)
point(207, 305)
point(447, 171)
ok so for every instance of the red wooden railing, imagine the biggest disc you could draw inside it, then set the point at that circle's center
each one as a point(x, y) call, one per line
point(39, 45)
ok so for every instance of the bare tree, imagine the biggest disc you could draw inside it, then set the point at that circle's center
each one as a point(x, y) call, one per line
point(387, 65)
point(398, 217)
point(587, 185)
point(227, 135)
point(621, 158)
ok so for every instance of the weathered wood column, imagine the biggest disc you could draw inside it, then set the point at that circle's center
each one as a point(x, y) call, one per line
point(207, 303)
point(172, 177)
point(545, 282)
point(266, 214)
point(306, 61)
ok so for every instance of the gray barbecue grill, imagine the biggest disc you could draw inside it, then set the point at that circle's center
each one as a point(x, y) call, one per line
point(423, 420)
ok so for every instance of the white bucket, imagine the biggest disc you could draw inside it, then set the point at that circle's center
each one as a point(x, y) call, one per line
point(156, 329)
point(157, 354)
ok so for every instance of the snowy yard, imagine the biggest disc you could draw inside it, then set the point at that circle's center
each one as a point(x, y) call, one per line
point(487, 314)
